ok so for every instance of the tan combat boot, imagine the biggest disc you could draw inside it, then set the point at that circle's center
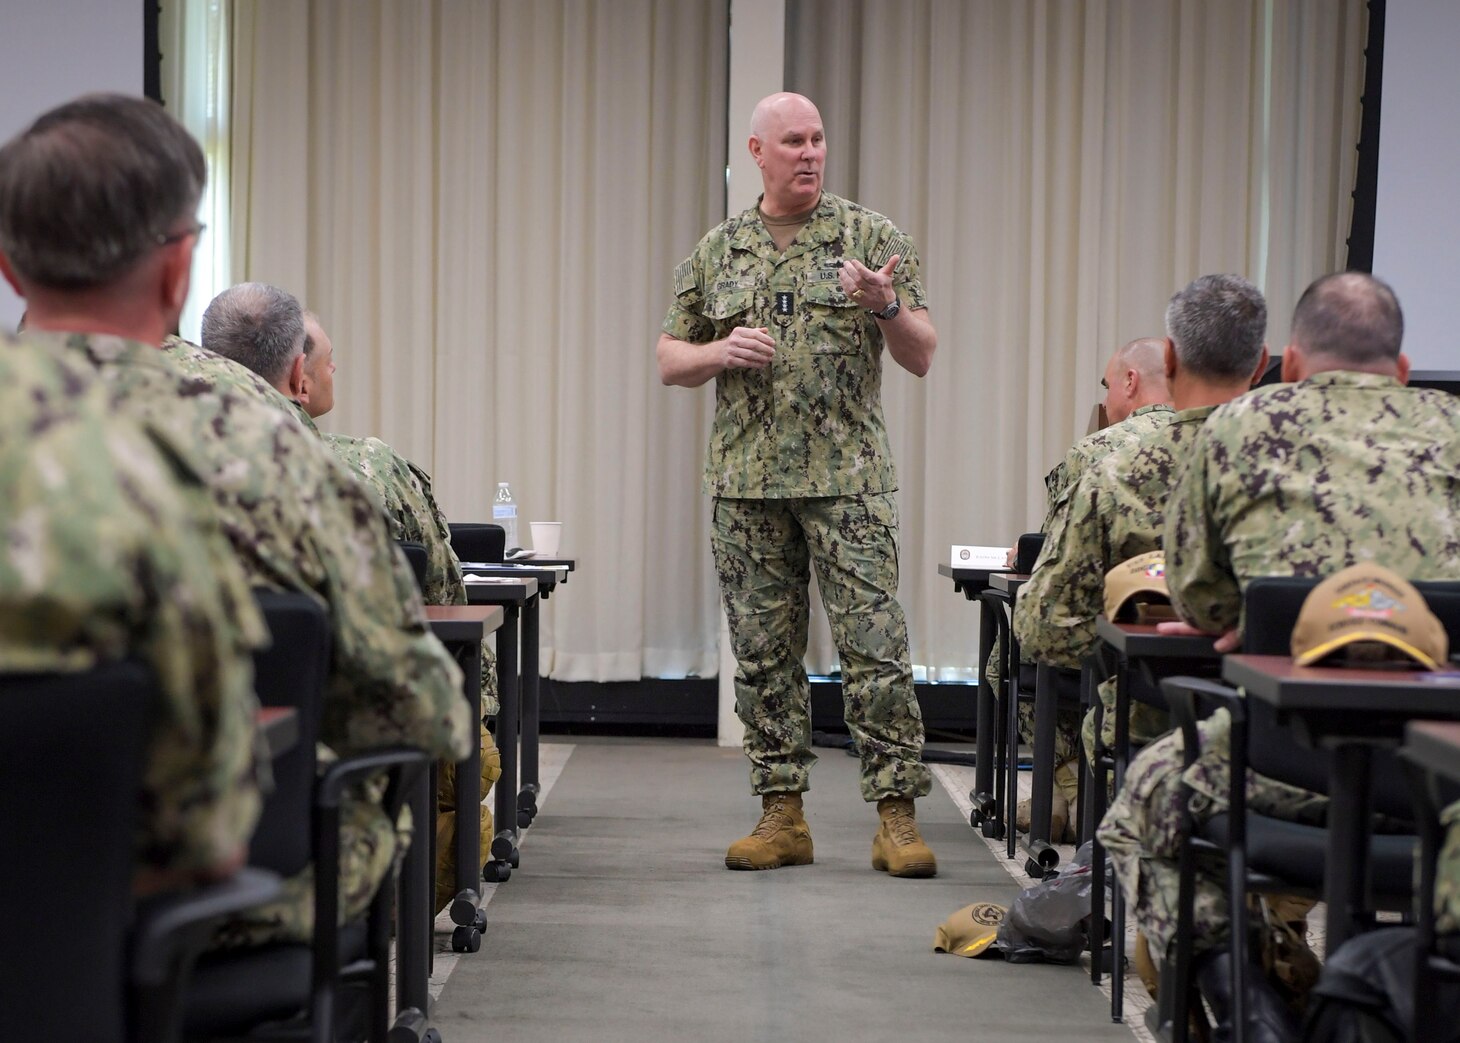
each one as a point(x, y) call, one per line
point(898, 848)
point(780, 838)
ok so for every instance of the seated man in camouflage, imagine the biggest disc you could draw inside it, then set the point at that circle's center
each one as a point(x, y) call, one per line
point(1213, 352)
point(113, 551)
point(1342, 464)
point(1137, 402)
point(296, 519)
point(249, 339)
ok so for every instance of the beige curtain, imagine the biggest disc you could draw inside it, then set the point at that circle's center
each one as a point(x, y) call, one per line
point(485, 203)
point(1064, 167)
point(485, 200)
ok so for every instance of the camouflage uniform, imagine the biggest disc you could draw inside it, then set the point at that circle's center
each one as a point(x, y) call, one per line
point(801, 471)
point(299, 521)
point(1115, 512)
point(1059, 485)
point(1447, 874)
point(113, 551)
point(1299, 479)
point(404, 492)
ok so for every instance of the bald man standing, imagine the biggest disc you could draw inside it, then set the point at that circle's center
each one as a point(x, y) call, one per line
point(788, 307)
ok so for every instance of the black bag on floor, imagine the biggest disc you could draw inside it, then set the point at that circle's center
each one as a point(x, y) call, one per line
point(1047, 921)
point(1366, 992)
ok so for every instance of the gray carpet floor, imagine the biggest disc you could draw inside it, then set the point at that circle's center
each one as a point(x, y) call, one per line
point(623, 924)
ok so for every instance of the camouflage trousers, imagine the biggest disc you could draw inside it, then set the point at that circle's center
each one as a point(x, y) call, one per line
point(1066, 721)
point(1447, 874)
point(1147, 723)
point(1142, 831)
point(491, 705)
point(370, 846)
point(763, 551)
point(446, 817)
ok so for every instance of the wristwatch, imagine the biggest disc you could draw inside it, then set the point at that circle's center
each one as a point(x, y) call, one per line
point(889, 312)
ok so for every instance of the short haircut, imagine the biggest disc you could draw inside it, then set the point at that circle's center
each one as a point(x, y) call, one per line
point(1217, 325)
point(258, 325)
point(1350, 316)
point(88, 188)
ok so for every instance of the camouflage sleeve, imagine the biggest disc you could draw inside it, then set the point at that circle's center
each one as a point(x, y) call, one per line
point(1057, 485)
point(685, 321)
point(1199, 573)
point(203, 773)
point(1447, 874)
point(907, 279)
point(444, 582)
point(1055, 615)
point(392, 681)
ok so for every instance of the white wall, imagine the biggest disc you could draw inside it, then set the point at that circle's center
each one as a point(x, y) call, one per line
point(52, 50)
point(1417, 224)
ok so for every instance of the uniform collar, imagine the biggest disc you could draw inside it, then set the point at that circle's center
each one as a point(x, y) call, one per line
point(752, 236)
point(1155, 407)
point(1350, 378)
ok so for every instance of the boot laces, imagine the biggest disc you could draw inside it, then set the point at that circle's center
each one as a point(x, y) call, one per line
point(902, 826)
point(773, 820)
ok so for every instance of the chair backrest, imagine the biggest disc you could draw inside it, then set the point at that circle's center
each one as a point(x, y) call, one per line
point(1270, 610)
point(415, 554)
point(72, 753)
point(291, 672)
point(478, 541)
point(1027, 550)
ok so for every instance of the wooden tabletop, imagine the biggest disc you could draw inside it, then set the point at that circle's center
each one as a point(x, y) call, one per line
point(1411, 693)
point(962, 575)
point(502, 590)
point(1435, 745)
point(464, 622)
point(1008, 582)
point(1144, 641)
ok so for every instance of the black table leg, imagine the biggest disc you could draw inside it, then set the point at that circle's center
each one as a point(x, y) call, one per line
point(531, 787)
point(466, 910)
point(414, 919)
point(504, 844)
point(1348, 840)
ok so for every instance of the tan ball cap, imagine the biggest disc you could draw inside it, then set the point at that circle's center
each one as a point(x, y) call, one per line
point(1368, 603)
point(971, 930)
point(1145, 574)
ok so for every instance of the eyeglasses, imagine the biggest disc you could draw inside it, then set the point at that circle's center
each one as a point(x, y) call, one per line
point(177, 237)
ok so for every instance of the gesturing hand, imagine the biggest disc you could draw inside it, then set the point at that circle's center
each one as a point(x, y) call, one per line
point(871, 289)
point(749, 347)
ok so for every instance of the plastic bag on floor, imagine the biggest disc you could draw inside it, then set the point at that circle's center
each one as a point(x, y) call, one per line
point(1048, 921)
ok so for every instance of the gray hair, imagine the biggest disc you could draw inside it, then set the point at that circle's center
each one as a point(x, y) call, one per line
point(258, 325)
point(1217, 325)
point(1350, 316)
point(93, 185)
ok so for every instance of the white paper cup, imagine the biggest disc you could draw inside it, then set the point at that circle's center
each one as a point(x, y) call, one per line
point(547, 537)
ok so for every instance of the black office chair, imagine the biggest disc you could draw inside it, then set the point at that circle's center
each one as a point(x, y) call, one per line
point(1266, 854)
point(479, 541)
point(306, 991)
point(72, 753)
point(415, 554)
point(72, 748)
point(1437, 959)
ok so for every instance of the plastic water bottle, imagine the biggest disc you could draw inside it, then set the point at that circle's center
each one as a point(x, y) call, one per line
point(504, 513)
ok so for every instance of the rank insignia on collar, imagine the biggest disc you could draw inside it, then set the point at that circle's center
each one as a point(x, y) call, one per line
point(785, 303)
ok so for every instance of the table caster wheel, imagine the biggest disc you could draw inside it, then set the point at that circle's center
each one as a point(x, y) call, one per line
point(466, 939)
point(496, 872)
point(481, 920)
point(523, 819)
point(515, 859)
